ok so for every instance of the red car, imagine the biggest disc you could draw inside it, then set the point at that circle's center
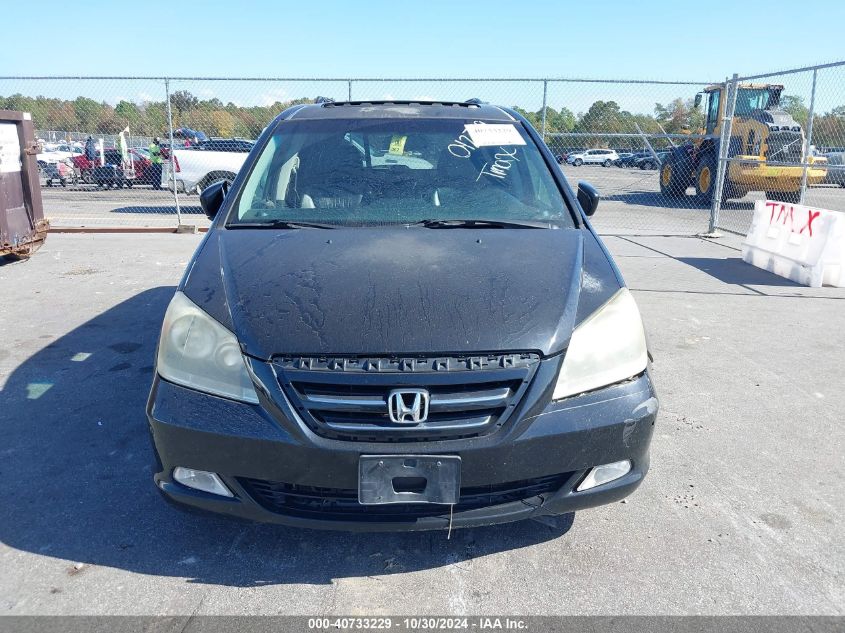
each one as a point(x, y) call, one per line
point(86, 167)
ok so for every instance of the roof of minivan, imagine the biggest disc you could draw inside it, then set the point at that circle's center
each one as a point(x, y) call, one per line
point(402, 109)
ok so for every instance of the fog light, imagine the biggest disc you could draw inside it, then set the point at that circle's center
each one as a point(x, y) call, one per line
point(599, 475)
point(201, 480)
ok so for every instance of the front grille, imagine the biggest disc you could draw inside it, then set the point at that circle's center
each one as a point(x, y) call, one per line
point(347, 397)
point(784, 147)
point(342, 503)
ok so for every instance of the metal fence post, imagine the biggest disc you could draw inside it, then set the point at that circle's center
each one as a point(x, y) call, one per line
point(723, 165)
point(545, 94)
point(349, 90)
point(809, 140)
point(172, 155)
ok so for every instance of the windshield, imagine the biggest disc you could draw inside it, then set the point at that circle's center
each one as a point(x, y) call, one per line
point(750, 99)
point(391, 171)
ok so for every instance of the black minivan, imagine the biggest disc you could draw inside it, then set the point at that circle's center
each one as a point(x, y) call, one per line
point(400, 319)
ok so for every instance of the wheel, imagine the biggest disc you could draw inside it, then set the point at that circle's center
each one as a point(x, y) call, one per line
point(607, 163)
point(578, 162)
point(63, 182)
point(791, 197)
point(49, 183)
point(129, 184)
point(705, 178)
point(88, 178)
point(215, 176)
point(675, 175)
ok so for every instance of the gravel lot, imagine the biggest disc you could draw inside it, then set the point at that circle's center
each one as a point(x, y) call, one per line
point(740, 514)
point(631, 204)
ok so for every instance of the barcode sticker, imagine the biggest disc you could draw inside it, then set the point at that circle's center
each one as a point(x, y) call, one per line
point(486, 134)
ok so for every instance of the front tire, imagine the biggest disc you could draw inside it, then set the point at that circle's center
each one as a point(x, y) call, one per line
point(675, 174)
point(705, 179)
point(607, 163)
point(578, 162)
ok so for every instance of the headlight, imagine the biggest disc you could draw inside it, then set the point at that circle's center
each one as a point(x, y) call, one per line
point(197, 352)
point(606, 348)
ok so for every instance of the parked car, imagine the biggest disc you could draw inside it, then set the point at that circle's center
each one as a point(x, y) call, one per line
point(56, 153)
point(622, 157)
point(378, 347)
point(189, 135)
point(198, 168)
point(835, 168)
point(649, 161)
point(630, 159)
point(61, 172)
point(112, 175)
point(140, 164)
point(593, 157)
point(226, 145)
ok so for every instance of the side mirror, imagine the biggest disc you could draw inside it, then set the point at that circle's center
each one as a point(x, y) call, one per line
point(697, 101)
point(211, 198)
point(588, 197)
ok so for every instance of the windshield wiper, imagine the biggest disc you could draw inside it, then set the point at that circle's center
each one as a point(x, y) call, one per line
point(440, 223)
point(279, 224)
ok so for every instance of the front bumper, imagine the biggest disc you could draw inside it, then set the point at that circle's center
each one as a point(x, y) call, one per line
point(758, 176)
point(245, 443)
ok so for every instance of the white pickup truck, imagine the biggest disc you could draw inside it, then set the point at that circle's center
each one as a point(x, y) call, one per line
point(196, 168)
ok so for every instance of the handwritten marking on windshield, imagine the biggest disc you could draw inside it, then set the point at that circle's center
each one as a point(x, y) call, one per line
point(463, 147)
point(503, 161)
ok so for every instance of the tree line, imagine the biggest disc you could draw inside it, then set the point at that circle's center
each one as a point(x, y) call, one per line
point(215, 118)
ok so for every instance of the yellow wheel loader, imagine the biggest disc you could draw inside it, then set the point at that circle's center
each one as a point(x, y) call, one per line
point(762, 135)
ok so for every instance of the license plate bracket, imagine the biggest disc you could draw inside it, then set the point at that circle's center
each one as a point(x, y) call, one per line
point(385, 479)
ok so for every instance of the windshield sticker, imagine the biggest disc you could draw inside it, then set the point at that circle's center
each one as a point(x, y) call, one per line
point(486, 134)
point(503, 161)
point(397, 145)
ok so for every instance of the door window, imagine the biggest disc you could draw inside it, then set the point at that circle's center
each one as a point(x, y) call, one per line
point(713, 111)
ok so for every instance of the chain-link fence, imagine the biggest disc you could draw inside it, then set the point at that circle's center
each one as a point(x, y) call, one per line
point(787, 142)
point(617, 135)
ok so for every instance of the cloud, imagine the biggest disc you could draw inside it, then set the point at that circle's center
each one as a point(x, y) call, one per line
point(272, 96)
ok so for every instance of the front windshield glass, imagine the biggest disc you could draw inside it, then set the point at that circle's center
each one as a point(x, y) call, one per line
point(390, 171)
point(750, 99)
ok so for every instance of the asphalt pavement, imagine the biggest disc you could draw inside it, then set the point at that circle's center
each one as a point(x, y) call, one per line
point(741, 513)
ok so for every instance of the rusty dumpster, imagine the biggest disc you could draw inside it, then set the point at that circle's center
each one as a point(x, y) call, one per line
point(22, 224)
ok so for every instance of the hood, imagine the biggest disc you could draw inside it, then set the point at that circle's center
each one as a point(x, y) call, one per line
point(392, 291)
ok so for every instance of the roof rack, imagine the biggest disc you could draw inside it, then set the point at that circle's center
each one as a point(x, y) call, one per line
point(330, 103)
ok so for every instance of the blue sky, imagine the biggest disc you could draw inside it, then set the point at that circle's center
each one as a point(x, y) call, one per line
point(377, 38)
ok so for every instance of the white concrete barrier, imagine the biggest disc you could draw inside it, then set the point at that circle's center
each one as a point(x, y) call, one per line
point(804, 244)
